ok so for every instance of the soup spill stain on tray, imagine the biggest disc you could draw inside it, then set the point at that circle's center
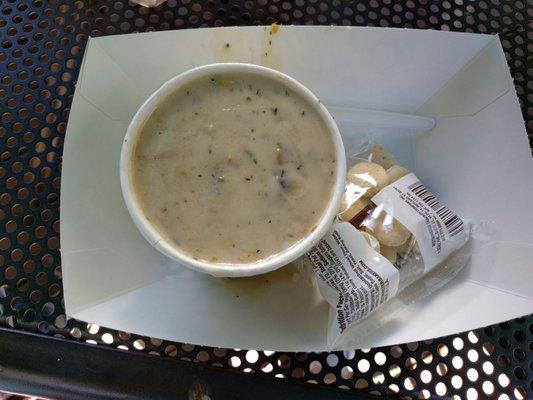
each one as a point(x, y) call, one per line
point(254, 287)
point(40, 53)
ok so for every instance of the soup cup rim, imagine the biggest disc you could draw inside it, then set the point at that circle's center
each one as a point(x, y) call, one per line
point(151, 234)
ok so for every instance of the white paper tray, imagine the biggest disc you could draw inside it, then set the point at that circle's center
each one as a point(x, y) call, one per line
point(476, 158)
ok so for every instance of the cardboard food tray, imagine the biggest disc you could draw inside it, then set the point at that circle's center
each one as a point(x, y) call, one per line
point(476, 158)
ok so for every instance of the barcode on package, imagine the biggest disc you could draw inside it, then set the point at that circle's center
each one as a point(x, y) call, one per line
point(453, 223)
point(438, 231)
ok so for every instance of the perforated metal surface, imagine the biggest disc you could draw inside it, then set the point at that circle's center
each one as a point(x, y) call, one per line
point(41, 45)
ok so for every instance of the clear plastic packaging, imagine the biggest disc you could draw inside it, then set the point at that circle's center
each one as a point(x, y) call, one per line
point(408, 235)
point(369, 173)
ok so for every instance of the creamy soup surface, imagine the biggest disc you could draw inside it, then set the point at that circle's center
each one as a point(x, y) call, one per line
point(234, 169)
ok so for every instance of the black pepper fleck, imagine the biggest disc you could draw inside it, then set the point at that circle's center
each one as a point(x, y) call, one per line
point(282, 180)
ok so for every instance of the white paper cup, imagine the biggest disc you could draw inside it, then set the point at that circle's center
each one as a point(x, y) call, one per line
point(228, 270)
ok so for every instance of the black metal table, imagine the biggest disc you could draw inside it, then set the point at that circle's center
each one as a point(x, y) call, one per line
point(41, 46)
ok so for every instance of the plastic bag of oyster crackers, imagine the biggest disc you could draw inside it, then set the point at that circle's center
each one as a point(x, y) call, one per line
point(393, 243)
